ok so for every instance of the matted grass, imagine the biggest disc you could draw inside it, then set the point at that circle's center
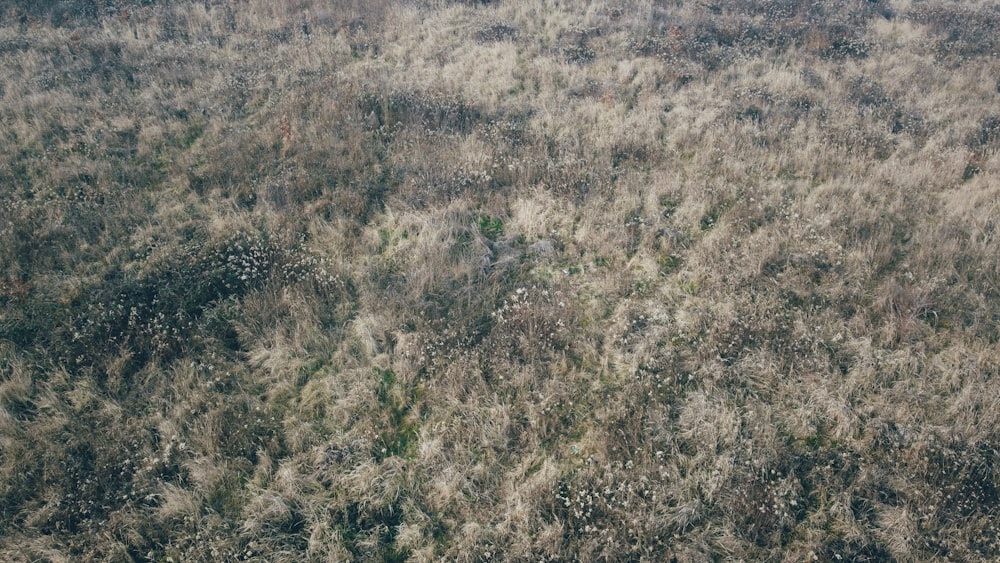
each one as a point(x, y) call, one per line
point(511, 280)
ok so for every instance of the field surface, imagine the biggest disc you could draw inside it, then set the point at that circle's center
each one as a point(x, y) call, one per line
point(302, 280)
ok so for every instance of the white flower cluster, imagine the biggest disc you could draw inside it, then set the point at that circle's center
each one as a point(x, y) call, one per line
point(529, 322)
point(302, 266)
point(248, 260)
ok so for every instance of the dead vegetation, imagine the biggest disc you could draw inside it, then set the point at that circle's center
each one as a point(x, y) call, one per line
point(288, 281)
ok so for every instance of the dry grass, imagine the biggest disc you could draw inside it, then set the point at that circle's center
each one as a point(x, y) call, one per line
point(471, 281)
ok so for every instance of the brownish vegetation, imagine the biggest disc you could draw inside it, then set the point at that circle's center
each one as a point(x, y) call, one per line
point(499, 280)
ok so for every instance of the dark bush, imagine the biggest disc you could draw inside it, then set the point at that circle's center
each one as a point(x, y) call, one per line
point(961, 31)
point(986, 138)
point(870, 97)
point(73, 13)
point(496, 31)
point(156, 312)
point(747, 27)
point(428, 111)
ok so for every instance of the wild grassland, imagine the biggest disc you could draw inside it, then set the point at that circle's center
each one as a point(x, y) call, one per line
point(510, 280)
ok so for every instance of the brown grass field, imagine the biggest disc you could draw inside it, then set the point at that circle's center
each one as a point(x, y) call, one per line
point(645, 280)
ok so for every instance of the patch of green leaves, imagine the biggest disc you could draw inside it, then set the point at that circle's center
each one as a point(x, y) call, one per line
point(398, 435)
point(491, 227)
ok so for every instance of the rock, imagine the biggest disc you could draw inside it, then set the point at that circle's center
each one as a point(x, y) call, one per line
point(544, 247)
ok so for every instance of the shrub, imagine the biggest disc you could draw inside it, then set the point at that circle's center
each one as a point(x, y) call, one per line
point(962, 31)
point(496, 31)
point(157, 312)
